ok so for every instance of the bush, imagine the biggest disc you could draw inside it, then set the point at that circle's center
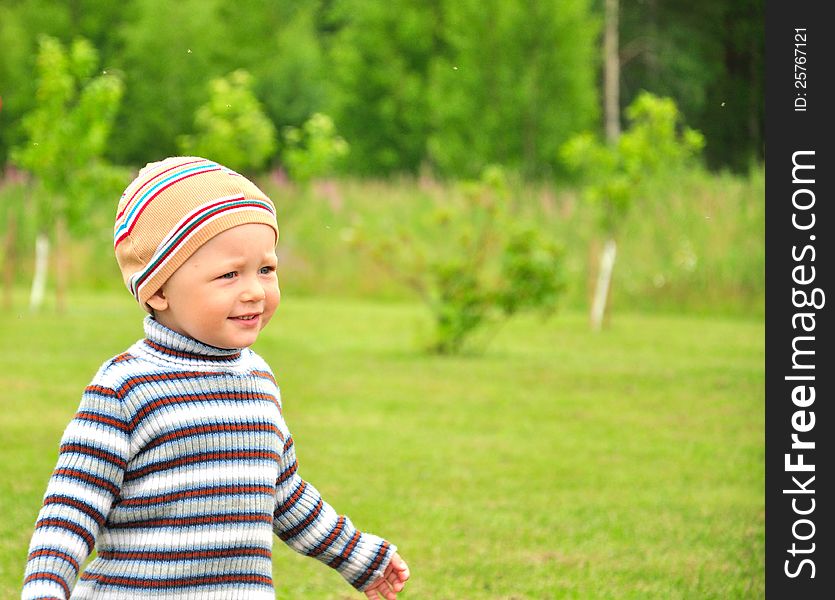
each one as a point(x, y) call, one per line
point(474, 265)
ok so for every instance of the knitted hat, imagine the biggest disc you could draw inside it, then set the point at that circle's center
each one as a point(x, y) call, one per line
point(171, 209)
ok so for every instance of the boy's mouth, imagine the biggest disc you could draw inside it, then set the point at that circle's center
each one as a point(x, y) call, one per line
point(250, 317)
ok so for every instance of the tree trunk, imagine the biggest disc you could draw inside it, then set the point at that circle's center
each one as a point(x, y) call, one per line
point(611, 72)
point(604, 279)
point(592, 268)
point(41, 266)
point(62, 262)
point(611, 99)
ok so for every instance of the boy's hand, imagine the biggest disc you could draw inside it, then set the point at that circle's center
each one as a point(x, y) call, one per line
point(393, 580)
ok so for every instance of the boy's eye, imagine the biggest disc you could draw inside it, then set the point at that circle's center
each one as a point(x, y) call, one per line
point(229, 275)
point(266, 270)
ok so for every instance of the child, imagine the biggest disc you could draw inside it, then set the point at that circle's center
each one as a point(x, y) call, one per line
point(178, 466)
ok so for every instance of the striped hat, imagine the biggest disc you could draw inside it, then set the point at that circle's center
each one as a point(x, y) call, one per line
point(173, 207)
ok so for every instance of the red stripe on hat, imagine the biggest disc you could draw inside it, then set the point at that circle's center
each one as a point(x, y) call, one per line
point(155, 194)
point(194, 223)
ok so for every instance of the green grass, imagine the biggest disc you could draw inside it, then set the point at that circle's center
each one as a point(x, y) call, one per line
point(558, 464)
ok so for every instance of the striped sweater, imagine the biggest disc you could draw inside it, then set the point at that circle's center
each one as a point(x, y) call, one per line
point(177, 468)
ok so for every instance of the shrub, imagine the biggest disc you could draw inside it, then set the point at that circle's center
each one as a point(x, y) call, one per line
point(475, 265)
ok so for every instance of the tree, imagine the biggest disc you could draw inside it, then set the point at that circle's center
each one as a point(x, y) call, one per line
point(462, 84)
point(66, 136)
point(457, 83)
point(380, 57)
point(18, 42)
point(280, 44)
point(611, 72)
point(709, 57)
point(515, 80)
point(170, 50)
point(21, 24)
point(613, 174)
point(231, 126)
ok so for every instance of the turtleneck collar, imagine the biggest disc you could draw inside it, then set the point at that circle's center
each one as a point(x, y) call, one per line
point(162, 341)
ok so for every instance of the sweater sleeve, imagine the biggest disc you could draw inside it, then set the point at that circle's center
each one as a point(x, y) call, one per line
point(309, 525)
point(84, 485)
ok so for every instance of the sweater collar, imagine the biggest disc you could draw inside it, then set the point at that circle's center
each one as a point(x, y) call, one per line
point(162, 341)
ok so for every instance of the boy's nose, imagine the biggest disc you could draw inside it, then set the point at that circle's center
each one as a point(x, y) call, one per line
point(253, 291)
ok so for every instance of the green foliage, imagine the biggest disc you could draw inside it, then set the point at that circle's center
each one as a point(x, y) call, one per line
point(475, 264)
point(514, 81)
point(460, 84)
point(68, 129)
point(709, 56)
point(380, 59)
point(170, 50)
point(21, 24)
point(314, 149)
point(450, 84)
point(232, 127)
point(531, 270)
point(655, 143)
point(280, 44)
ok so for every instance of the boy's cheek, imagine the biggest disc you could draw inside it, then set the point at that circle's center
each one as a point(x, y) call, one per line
point(273, 306)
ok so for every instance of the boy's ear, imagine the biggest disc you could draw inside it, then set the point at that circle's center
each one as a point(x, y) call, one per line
point(158, 301)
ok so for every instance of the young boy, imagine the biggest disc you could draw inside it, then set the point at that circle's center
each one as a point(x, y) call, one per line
point(178, 466)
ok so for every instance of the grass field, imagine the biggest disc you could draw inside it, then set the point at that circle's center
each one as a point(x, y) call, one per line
point(557, 464)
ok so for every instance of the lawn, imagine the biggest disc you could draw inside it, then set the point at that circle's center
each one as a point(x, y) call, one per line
point(556, 464)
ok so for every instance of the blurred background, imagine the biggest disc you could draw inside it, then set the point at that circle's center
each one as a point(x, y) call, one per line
point(526, 237)
point(354, 110)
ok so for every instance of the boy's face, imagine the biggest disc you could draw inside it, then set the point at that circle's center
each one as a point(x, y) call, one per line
point(226, 292)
